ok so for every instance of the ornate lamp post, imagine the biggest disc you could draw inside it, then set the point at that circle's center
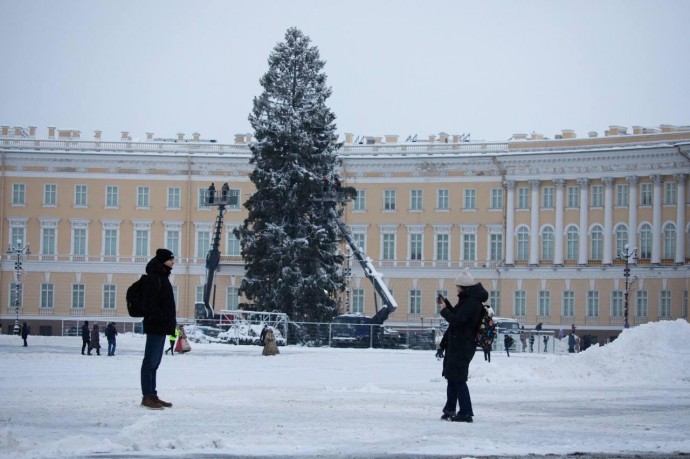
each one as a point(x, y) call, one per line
point(19, 253)
point(626, 254)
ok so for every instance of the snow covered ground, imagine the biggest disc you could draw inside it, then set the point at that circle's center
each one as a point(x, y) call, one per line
point(631, 396)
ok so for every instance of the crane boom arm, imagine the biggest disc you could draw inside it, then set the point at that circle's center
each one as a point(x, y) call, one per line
point(370, 272)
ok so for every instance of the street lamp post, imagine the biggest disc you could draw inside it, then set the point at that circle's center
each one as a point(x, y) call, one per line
point(19, 253)
point(627, 254)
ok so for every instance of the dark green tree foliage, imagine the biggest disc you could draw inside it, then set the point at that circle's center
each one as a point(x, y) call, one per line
point(290, 243)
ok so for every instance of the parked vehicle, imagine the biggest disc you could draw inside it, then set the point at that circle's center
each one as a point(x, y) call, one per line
point(507, 326)
point(357, 330)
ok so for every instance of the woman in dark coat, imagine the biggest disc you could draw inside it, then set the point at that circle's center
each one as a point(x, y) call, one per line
point(95, 342)
point(463, 323)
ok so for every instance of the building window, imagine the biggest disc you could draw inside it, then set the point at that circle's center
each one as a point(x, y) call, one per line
point(470, 199)
point(48, 239)
point(665, 304)
point(141, 248)
point(389, 200)
point(110, 242)
point(573, 197)
point(669, 240)
point(597, 243)
point(641, 307)
point(495, 301)
point(523, 198)
point(469, 246)
point(522, 244)
point(203, 243)
point(415, 301)
point(80, 196)
point(78, 296)
point(232, 299)
point(544, 303)
point(442, 247)
point(109, 296)
point(519, 303)
point(592, 303)
point(200, 294)
point(172, 241)
point(568, 303)
point(111, 196)
point(78, 241)
point(597, 196)
point(50, 195)
point(360, 202)
point(497, 198)
point(201, 199)
point(617, 303)
point(621, 238)
point(495, 247)
point(442, 199)
point(174, 198)
point(361, 241)
point(47, 295)
point(143, 197)
point(234, 246)
point(645, 241)
point(622, 194)
point(547, 201)
point(416, 246)
point(646, 194)
point(17, 234)
point(547, 241)
point(388, 246)
point(358, 300)
point(18, 194)
point(234, 199)
point(670, 193)
point(572, 243)
point(415, 200)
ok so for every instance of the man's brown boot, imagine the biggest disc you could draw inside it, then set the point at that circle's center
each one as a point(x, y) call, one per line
point(162, 402)
point(151, 402)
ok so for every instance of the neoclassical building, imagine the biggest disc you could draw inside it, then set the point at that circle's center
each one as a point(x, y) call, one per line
point(543, 223)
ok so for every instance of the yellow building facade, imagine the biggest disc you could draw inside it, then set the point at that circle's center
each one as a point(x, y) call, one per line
point(542, 223)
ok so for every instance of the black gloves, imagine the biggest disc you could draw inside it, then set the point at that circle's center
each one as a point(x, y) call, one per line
point(439, 354)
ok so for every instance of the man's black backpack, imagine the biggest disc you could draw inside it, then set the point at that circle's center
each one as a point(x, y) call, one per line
point(135, 297)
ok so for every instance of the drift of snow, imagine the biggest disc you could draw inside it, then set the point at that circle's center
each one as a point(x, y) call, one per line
point(630, 396)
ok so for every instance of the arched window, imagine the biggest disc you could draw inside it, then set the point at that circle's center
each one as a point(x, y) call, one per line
point(645, 241)
point(669, 240)
point(547, 243)
point(572, 241)
point(522, 244)
point(621, 237)
point(597, 243)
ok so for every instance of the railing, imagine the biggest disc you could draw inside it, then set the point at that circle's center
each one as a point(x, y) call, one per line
point(76, 311)
point(119, 147)
point(46, 311)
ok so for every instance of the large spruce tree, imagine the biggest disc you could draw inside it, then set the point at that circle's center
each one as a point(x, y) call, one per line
point(290, 243)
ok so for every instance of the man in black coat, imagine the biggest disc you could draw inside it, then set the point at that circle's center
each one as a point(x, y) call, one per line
point(159, 321)
point(85, 336)
point(463, 323)
point(25, 332)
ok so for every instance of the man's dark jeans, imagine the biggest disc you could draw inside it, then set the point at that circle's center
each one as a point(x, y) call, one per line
point(458, 390)
point(153, 354)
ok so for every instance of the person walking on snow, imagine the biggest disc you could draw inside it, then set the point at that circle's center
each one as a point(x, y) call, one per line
point(25, 332)
point(159, 321)
point(172, 339)
point(95, 342)
point(85, 336)
point(110, 334)
point(463, 321)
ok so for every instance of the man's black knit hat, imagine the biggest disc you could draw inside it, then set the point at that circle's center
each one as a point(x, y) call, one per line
point(164, 255)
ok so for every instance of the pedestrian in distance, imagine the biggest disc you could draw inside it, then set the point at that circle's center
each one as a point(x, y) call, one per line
point(26, 330)
point(546, 343)
point(159, 321)
point(507, 343)
point(531, 343)
point(111, 336)
point(95, 342)
point(262, 336)
point(172, 339)
point(571, 343)
point(270, 347)
point(463, 322)
point(85, 336)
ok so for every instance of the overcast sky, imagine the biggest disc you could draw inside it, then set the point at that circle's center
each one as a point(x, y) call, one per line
point(491, 69)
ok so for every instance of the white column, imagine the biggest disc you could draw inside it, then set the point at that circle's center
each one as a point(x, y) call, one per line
point(657, 179)
point(680, 218)
point(608, 221)
point(558, 233)
point(534, 224)
point(510, 222)
point(584, 221)
point(632, 211)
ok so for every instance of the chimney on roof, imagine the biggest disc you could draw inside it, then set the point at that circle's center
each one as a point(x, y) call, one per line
point(149, 136)
point(196, 136)
point(18, 131)
point(97, 135)
point(568, 134)
point(592, 134)
point(180, 136)
point(125, 136)
point(519, 136)
point(668, 128)
point(390, 138)
point(638, 130)
point(432, 138)
point(32, 131)
point(616, 130)
point(349, 137)
point(536, 136)
point(51, 132)
point(443, 137)
point(248, 138)
point(239, 138)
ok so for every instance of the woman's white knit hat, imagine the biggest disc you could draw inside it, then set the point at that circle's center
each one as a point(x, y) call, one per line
point(464, 279)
